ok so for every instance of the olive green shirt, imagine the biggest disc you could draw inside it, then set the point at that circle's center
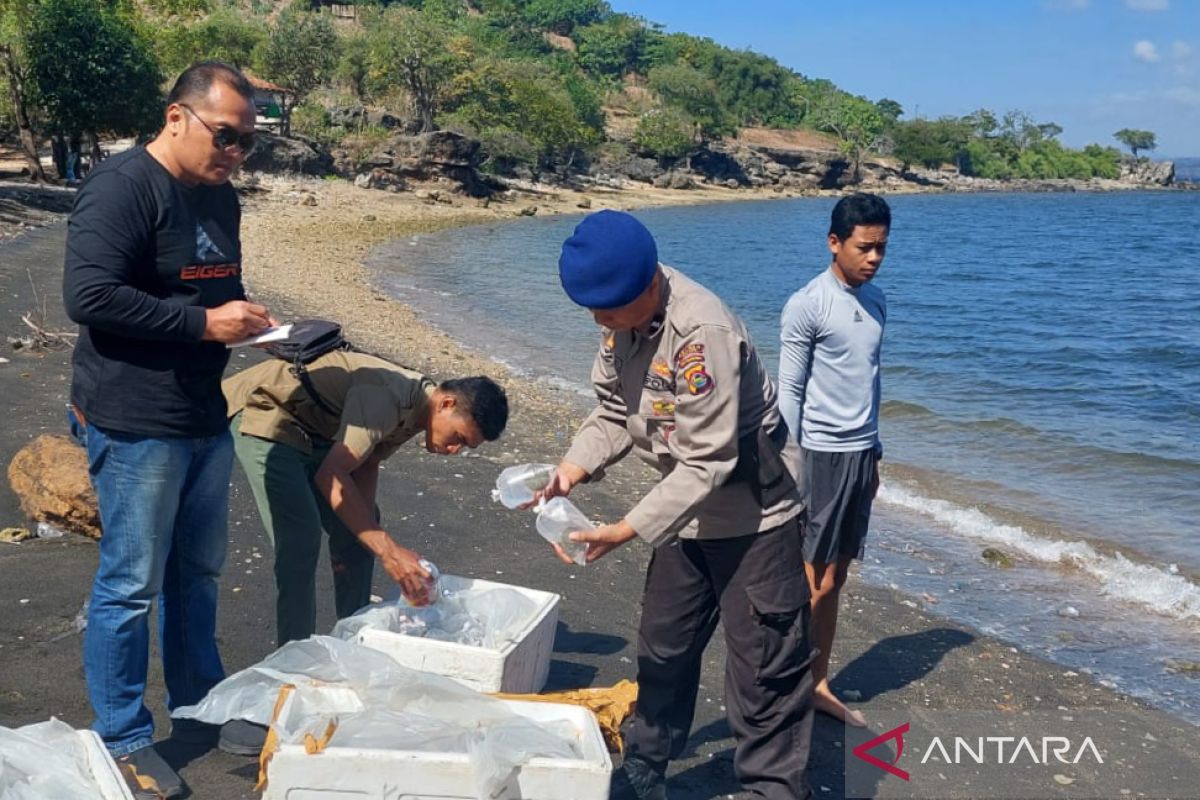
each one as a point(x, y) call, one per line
point(379, 405)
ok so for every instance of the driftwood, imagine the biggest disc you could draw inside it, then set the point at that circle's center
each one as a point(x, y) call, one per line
point(50, 477)
point(43, 338)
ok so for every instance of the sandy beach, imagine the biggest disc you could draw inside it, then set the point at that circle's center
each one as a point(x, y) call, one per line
point(304, 243)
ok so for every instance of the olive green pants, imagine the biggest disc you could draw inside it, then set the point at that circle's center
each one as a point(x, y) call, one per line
point(297, 518)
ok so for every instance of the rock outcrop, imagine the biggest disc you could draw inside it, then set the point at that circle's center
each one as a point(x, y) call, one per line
point(799, 170)
point(425, 157)
point(277, 154)
point(1145, 171)
point(451, 160)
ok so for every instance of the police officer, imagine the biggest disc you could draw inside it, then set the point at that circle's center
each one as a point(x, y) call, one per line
point(680, 383)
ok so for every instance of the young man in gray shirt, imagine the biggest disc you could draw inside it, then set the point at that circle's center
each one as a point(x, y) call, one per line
point(831, 332)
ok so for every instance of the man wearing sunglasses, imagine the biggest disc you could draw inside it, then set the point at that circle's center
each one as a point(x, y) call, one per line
point(153, 277)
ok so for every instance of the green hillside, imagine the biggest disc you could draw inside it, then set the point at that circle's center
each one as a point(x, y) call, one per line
point(545, 85)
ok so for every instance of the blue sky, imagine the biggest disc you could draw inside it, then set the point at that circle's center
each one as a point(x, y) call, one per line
point(1092, 66)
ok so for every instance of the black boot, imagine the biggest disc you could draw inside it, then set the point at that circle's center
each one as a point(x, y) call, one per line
point(641, 781)
point(148, 776)
point(242, 738)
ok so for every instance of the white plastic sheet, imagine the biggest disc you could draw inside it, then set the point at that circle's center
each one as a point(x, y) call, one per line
point(45, 760)
point(379, 704)
point(488, 618)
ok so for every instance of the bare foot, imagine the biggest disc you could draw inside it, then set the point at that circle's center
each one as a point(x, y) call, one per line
point(825, 701)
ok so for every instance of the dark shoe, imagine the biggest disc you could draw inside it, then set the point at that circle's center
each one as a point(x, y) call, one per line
point(148, 775)
point(644, 781)
point(190, 731)
point(242, 738)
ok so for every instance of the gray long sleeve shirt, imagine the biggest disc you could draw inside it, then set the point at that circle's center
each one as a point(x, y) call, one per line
point(829, 382)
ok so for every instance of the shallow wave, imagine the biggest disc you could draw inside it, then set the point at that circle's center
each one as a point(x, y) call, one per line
point(1048, 446)
point(1161, 590)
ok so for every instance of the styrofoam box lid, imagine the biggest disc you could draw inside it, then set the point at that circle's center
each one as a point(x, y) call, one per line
point(591, 742)
point(546, 602)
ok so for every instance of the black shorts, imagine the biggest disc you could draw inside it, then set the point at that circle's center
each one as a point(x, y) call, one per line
point(837, 489)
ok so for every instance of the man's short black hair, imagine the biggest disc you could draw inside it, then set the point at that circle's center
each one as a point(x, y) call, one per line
point(859, 208)
point(484, 400)
point(194, 84)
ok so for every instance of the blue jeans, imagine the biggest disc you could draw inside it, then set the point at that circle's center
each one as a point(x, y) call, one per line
point(164, 508)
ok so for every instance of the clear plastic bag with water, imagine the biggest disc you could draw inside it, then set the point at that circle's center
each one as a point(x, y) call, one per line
point(433, 583)
point(516, 485)
point(557, 519)
point(475, 617)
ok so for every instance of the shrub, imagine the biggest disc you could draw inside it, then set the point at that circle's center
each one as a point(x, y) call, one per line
point(665, 133)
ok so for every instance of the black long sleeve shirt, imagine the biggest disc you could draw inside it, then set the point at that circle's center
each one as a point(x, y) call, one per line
point(146, 255)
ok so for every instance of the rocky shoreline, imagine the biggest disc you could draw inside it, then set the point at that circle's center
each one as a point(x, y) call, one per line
point(408, 162)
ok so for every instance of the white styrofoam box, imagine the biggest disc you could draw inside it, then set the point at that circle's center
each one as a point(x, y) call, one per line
point(104, 770)
point(519, 667)
point(351, 773)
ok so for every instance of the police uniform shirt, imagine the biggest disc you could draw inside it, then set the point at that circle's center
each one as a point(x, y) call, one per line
point(682, 396)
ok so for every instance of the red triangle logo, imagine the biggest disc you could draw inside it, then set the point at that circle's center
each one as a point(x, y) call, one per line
point(895, 733)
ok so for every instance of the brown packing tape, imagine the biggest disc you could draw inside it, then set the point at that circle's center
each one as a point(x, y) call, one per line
point(612, 705)
point(144, 782)
point(272, 742)
point(313, 745)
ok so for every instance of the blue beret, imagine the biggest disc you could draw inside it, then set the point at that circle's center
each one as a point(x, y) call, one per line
point(609, 260)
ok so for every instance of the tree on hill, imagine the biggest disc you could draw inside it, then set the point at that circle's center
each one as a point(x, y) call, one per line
point(564, 16)
point(756, 89)
point(613, 47)
point(408, 49)
point(14, 66)
point(1136, 139)
point(300, 53)
point(693, 93)
point(94, 73)
point(665, 134)
point(524, 112)
point(855, 121)
point(890, 110)
point(353, 69)
point(225, 35)
point(929, 143)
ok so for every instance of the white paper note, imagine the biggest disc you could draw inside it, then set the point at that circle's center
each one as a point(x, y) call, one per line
point(269, 335)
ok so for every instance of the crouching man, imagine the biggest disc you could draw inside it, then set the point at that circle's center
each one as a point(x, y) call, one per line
point(311, 451)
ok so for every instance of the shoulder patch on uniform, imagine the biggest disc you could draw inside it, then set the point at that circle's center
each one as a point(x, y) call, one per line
point(697, 378)
point(700, 382)
point(689, 350)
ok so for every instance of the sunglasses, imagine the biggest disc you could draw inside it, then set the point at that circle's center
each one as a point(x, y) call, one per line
point(225, 136)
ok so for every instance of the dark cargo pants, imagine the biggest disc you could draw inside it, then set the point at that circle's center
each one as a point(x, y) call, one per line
point(756, 585)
